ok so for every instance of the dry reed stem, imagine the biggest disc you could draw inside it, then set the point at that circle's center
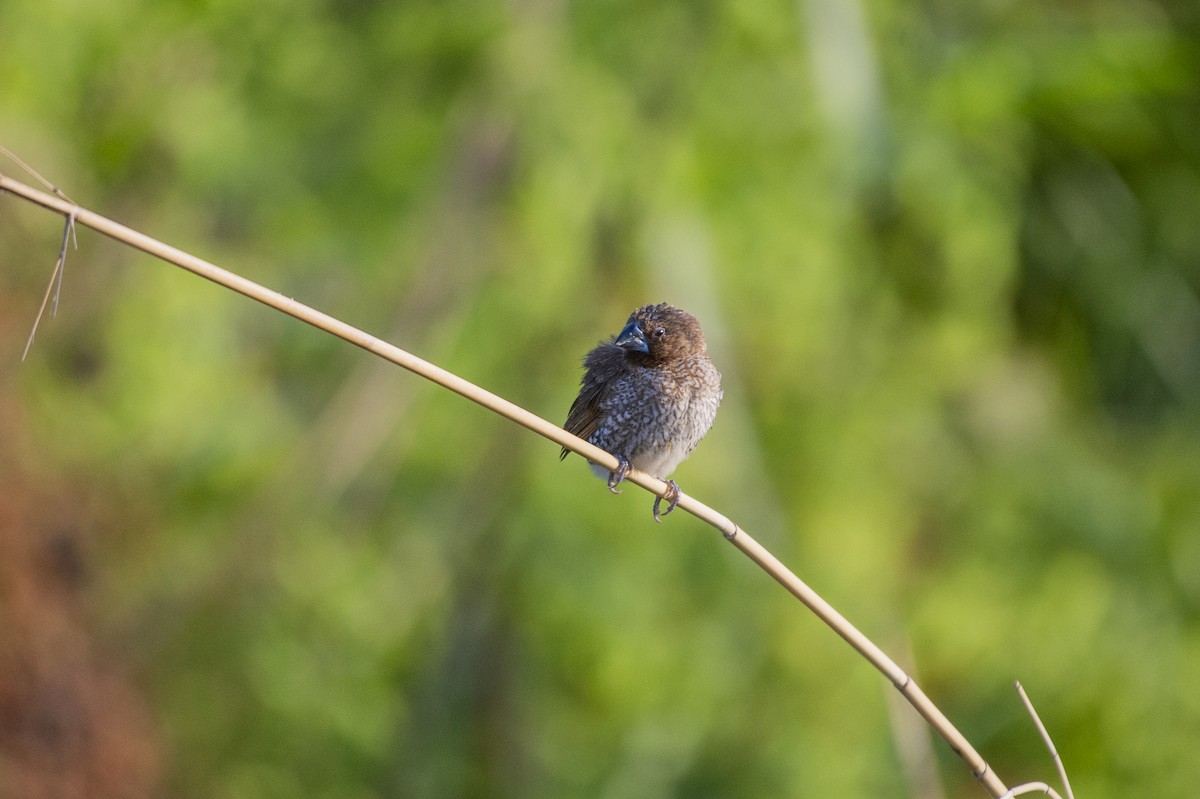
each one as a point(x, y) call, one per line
point(732, 532)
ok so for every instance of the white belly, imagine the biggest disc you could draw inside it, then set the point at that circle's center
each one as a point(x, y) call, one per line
point(659, 462)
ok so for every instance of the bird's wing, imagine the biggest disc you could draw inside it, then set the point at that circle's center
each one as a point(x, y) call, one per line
point(584, 417)
point(603, 365)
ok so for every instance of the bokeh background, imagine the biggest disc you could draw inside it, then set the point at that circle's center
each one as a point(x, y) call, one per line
point(948, 259)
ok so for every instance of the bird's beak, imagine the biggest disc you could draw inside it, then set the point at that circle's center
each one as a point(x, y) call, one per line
point(632, 338)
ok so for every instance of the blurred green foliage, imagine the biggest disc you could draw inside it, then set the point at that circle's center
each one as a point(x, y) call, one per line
point(948, 258)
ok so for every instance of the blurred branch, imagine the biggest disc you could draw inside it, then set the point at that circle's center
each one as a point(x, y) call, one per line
point(914, 746)
point(732, 532)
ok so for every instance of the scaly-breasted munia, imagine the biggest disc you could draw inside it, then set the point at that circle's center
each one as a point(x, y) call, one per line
point(648, 396)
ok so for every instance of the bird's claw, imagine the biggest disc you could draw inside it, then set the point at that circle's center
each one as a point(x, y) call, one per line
point(615, 478)
point(672, 497)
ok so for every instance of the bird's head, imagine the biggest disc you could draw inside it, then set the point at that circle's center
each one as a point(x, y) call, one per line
point(659, 333)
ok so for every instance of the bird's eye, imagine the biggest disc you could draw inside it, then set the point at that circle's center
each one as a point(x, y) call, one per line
point(659, 332)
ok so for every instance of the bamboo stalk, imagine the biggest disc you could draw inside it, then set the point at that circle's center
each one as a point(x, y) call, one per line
point(732, 532)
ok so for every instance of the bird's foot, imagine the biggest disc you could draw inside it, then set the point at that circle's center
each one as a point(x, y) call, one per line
point(672, 497)
point(615, 478)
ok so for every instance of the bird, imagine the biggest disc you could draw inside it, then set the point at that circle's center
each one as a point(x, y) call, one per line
point(647, 396)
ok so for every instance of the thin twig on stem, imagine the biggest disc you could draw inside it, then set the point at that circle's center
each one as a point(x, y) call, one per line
point(55, 286)
point(1031, 787)
point(1058, 764)
point(10, 155)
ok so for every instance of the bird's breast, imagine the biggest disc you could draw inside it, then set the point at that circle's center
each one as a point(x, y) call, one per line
point(661, 460)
